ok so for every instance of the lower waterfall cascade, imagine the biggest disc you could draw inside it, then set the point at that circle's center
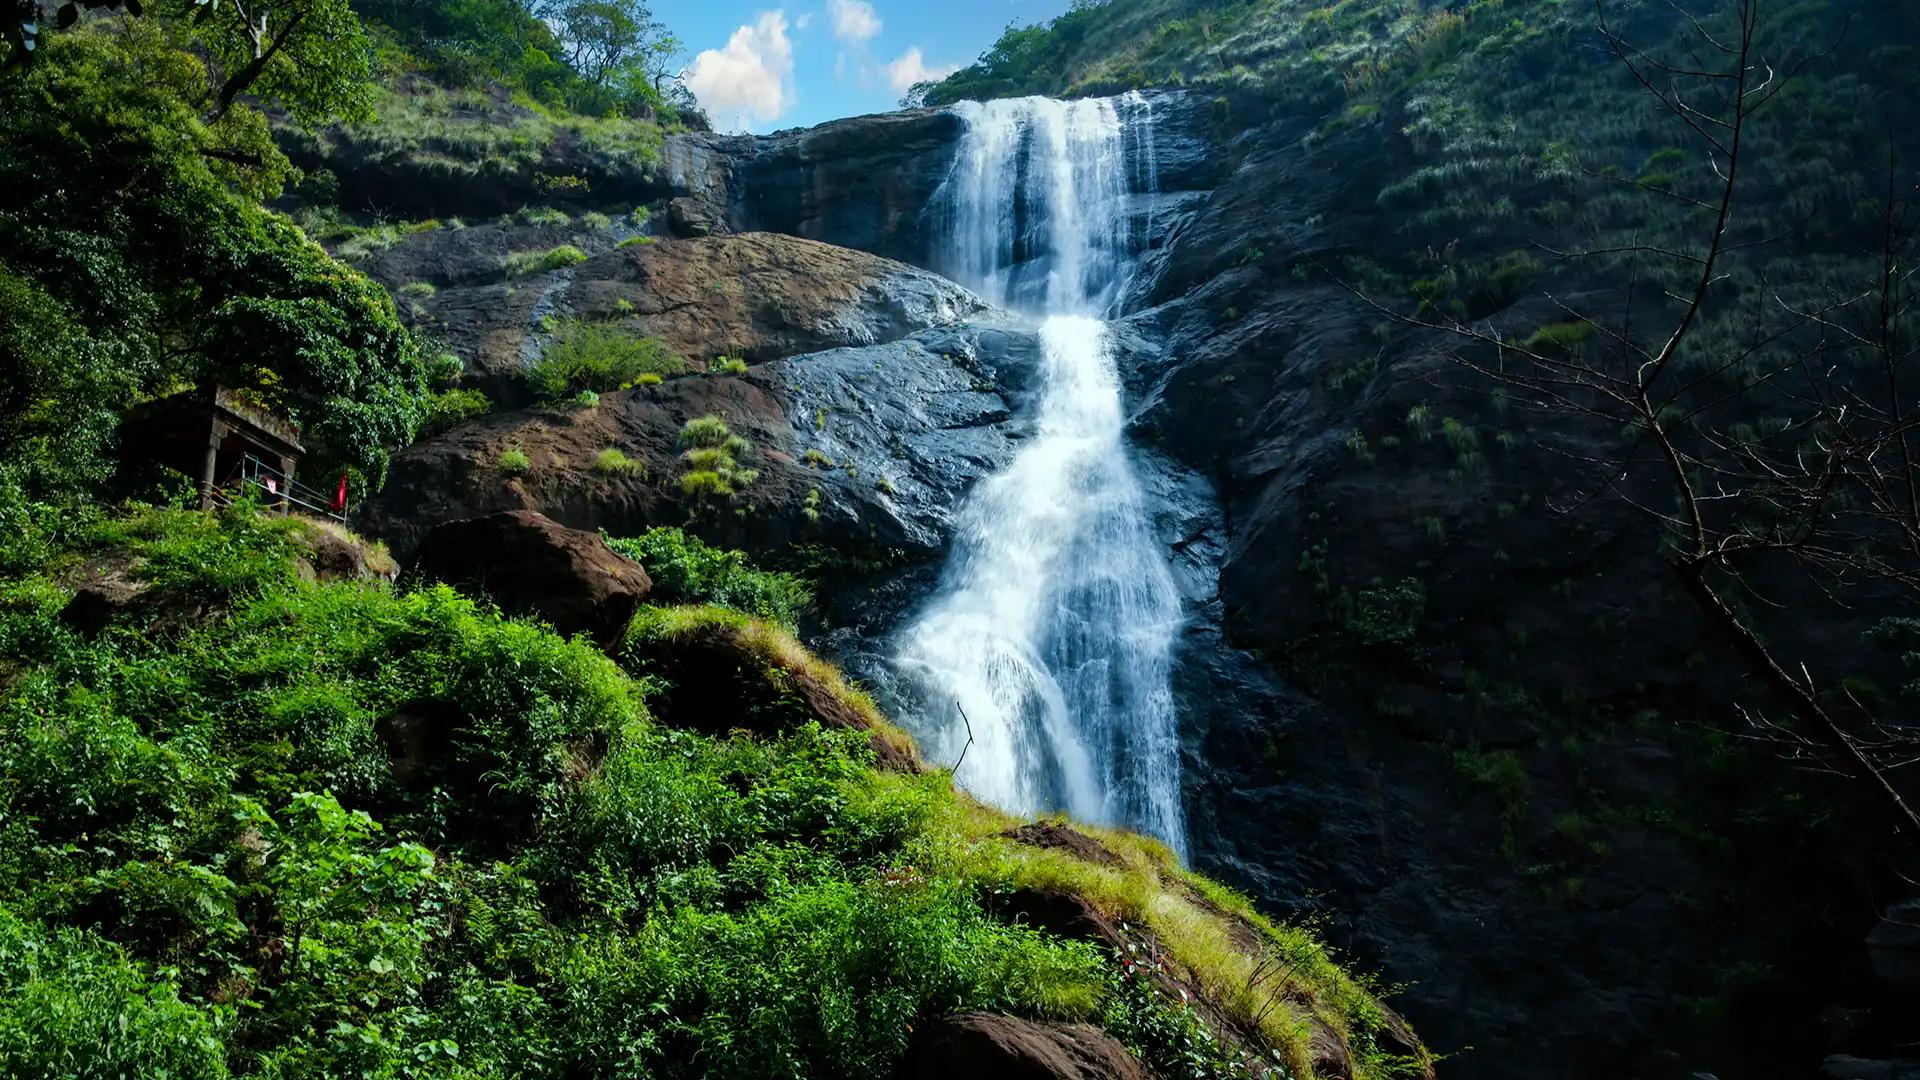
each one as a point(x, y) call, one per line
point(1045, 654)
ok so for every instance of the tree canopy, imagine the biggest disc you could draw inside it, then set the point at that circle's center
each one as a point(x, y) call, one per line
point(138, 262)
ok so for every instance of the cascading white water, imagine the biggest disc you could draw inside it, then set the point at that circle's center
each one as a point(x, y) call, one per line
point(1054, 623)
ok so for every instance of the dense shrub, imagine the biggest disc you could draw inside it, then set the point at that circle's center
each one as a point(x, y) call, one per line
point(560, 888)
point(600, 357)
point(451, 408)
point(687, 571)
point(78, 1007)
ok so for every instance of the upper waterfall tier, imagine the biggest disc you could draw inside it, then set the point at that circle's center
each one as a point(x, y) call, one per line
point(1037, 208)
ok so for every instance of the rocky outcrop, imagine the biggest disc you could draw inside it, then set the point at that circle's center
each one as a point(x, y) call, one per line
point(862, 449)
point(721, 671)
point(864, 182)
point(1506, 780)
point(753, 296)
point(530, 565)
point(97, 604)
point(1894, 947)
point(763, 296)
point(435, 155)
point(965, 1046)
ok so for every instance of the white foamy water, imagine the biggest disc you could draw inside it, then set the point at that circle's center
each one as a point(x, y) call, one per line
point(1054, 622)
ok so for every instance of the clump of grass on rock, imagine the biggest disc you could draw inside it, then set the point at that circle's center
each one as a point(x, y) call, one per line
point(598, 357)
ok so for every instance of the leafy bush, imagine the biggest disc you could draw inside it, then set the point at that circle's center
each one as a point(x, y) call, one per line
point(729, 365)
point(450, 408)
point(686, 570)
point(514, 460)
point(542, 215)
point(522, 263)
point(76, 1006)
point(600, 357)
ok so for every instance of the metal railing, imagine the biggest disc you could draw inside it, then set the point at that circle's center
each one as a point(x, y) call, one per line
point(284, 491)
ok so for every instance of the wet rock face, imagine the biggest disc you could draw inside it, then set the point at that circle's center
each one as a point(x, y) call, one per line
point(754, 296)
point(531, 565)
point(1894, 947)
point(763, 296)
point(864, 449)
point(977, 1044)
point(863, 183)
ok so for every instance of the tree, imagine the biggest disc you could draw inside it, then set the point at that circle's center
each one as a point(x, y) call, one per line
point(1769, 394)
point(309, 56)
point(604, 39)
point(134, 261)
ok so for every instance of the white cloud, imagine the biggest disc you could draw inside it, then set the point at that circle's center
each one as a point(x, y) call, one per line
point(853, 20)
point(748, 78)
point(911, 67)
point(805, 20)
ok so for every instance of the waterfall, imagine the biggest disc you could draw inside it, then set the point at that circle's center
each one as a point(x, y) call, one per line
point(1046, 652)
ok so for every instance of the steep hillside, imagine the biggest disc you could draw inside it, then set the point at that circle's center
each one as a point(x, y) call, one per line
point(260, 824)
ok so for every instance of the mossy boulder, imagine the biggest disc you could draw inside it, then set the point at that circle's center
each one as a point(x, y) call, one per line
point(720, 671)
point(531, 565)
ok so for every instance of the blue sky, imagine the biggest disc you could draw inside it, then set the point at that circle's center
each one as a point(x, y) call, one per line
point(759, 66)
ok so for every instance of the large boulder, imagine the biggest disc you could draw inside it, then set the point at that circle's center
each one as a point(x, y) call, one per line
point(969, 1045)
point(762, 296)
point(864, 182)
point(755, 296)
point(532, 565)
point(865, 449)
point(720, 671)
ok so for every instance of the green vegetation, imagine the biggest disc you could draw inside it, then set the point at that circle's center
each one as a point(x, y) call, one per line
point(728, 365)
point(514, 460)
point(614, 462)
point(470, 134)
point(522, 263)
point(1499, 772)
point(687, 571)
point(451, 408)
point(600, 357)
point(137, 262)
point(551, 883)
point(713, 460)
point(595, 57)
